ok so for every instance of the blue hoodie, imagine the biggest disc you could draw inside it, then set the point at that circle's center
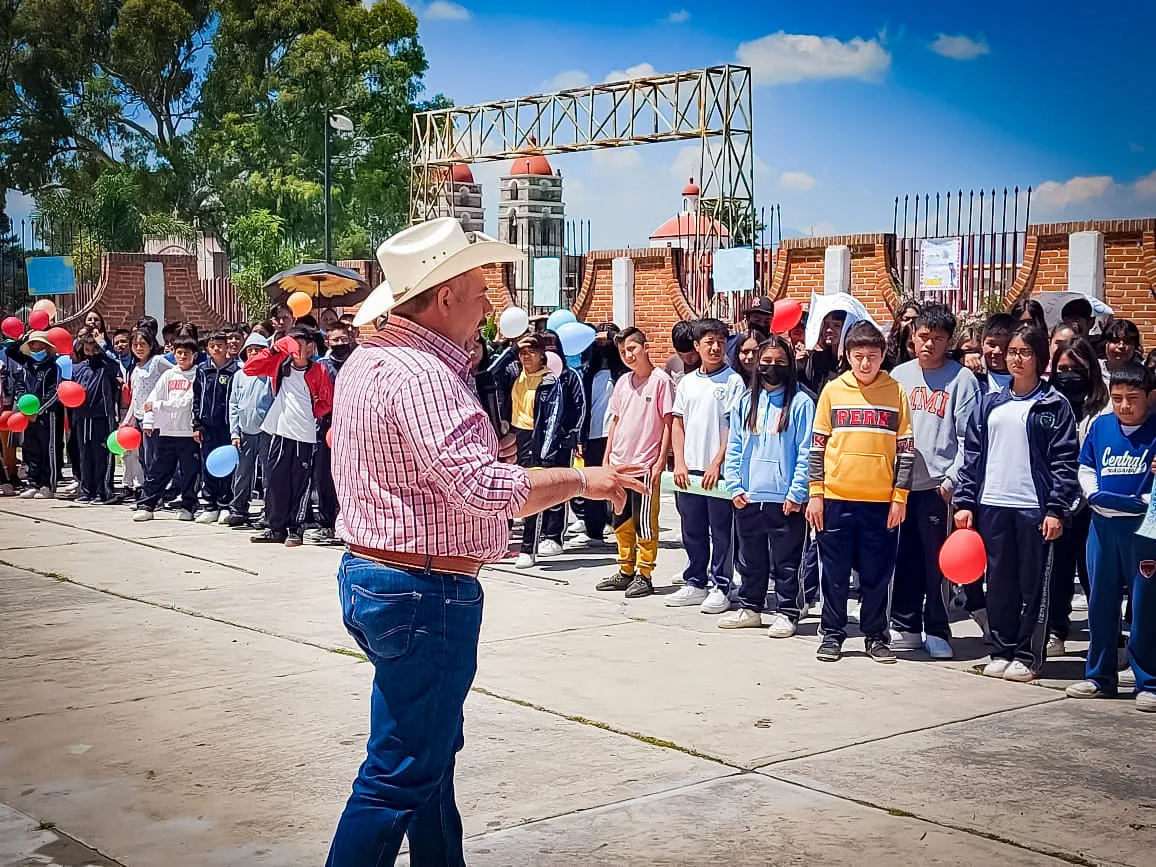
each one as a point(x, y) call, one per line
point(769, 467)
point(249, 396)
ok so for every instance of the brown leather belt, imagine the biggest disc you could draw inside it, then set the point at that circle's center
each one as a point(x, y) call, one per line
point(425, 562)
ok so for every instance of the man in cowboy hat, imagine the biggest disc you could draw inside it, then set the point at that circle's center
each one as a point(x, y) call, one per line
point(425, 499)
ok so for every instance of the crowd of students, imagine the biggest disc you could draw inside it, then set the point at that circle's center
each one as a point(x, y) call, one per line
point(265, 389)
point(805, 469)
point(813, 472)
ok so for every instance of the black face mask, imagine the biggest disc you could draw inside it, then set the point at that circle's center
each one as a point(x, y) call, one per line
point(340, 352)
point(1072, 384)
point(773, 375)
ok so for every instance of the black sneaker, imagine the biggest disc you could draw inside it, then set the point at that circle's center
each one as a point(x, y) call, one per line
point(292, 540)
point(879, 650)
point(830, 649)
point(235, 521)
point(617, 581)
point(269, 537)
point(84, 501)
point(639, 587)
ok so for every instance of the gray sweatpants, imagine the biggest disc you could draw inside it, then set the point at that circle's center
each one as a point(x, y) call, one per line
point(254, 450)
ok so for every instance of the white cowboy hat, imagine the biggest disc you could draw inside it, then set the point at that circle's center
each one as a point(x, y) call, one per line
point(427, 255)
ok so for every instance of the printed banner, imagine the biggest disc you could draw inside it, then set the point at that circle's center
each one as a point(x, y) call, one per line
point(939, 265)
point(50, 275)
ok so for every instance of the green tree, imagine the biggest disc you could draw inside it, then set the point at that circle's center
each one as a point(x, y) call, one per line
point(259, 251)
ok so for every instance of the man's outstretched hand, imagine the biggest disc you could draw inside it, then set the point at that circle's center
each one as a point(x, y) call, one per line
point(612, 483)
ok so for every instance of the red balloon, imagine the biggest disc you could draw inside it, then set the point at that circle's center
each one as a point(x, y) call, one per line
point(61, 340)
point(788, 313)
point(329, 438)
point(38, 320)
point(4, 416)
point(71, 393)
point(17, 422)
point(962, 558)
point(12, 327)
point(128, 438)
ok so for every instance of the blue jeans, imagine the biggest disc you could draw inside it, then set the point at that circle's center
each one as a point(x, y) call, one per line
point(420, 631)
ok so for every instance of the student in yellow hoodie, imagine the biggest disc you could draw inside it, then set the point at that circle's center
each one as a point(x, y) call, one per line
point(861, 462)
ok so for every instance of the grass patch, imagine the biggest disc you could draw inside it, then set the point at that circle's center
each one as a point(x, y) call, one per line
point(46, 826)
point(360, 657)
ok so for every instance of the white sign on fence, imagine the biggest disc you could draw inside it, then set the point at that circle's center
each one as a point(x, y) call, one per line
point(940, 260)
point(734, 269)
point(547, 281)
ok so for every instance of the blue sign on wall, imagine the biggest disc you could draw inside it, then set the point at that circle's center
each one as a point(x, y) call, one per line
point(50, 275)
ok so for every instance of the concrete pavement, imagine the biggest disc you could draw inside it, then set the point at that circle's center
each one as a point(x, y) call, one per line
point(174, 695)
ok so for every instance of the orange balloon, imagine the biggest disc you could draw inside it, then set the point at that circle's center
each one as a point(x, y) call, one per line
point(963, 558)
point(299, 304)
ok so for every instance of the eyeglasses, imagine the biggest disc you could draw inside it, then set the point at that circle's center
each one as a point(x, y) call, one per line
point(1020, 353)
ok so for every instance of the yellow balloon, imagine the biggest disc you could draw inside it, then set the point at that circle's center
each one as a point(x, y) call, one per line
point(299, 304)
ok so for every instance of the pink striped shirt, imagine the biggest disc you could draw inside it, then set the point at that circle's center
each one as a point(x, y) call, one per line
point(415, 458)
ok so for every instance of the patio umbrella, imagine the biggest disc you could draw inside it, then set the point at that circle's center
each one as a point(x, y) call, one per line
point(328, 285)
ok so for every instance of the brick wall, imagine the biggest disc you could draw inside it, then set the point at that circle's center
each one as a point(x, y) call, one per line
point(119, 296)
point(801, 262)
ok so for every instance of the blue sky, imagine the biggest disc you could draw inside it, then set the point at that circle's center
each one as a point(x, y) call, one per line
point(854, 103)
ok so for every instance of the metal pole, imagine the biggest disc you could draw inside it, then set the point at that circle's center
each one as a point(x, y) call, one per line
point(328, 215)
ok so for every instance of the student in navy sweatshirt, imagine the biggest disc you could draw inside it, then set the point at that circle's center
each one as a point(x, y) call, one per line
point(101, 376)
point(211, 424)
point(1026, 426)
point(1115, 473)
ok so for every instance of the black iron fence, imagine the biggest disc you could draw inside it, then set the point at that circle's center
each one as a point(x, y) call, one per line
point(569, 242)
point(30, 238)
point(961, 249)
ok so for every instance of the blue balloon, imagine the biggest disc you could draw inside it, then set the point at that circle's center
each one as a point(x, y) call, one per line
point(575, 337)
point(64, 365)
point(559, 318)
point(222, 461)
point(574, 361)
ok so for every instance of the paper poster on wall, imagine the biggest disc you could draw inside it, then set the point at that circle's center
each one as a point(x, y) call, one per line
point(548, 282)
point(939, 266)
point(733, 270)
point(50, 275)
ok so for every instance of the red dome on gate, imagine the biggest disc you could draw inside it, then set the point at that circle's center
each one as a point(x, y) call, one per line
point(691, 189)
point(688, 225)
point(461, 174)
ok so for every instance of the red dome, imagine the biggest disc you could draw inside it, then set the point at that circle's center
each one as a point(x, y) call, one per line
point(535, 165)
point(683, 226)
point(691, 189)
point(462, 175)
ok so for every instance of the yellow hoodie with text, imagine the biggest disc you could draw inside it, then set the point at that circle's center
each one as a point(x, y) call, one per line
point(862, 448)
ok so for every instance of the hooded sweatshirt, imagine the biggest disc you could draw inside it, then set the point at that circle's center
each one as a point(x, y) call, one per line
point(172, 400)
point(100, 376)
point(249, 396)
point(941, 402)
point(862, 449)
point(768, 466)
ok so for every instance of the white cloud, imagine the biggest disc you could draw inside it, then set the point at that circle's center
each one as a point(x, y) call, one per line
point(444, 10)
point(1135, 147)
point(1145, 187)
point(566, 79)
point(641, 70)
point(679, 17)
point(780, 58)
point(959, 47)
point(18, 206)
point(618, 158)
point(796, 181)
point(1074, 191)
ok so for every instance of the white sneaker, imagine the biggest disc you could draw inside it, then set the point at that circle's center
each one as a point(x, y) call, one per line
point(576, 527)
point(549, 548)
point(28, 493)
point(996, 668)
point(44, 494)
point(781, 627)
point(687, 595)
point(1079, 602)
point(739, 619)
point(184, 515)
point(524, 561)
point(937, 648)
point(906, 640)
point(1146, 702)
point(1085, 689)
point(1056, 646)
point(208, 517)
point(142, 515)
point(1018, 672)
point(716, 602)
point(223, 518)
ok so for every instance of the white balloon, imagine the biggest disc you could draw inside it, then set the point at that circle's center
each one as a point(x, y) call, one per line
point(554, 363)
point(513, 322)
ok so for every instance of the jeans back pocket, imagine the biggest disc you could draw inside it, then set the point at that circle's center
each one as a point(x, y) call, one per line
point(385, 619)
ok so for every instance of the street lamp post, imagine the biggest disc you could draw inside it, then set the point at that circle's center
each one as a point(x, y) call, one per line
point(341, 123)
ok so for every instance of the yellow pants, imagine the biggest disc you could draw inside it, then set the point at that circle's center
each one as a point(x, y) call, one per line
point(636, 531)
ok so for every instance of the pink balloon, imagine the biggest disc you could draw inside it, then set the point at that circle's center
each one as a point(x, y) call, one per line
point(554, 363)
